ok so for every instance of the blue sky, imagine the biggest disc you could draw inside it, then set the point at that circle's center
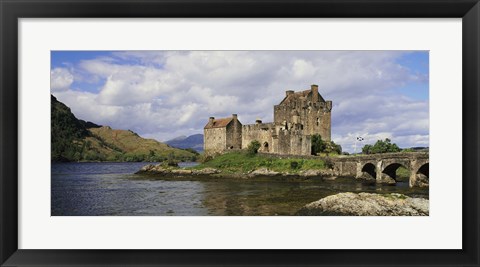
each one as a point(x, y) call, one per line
point(164, 94)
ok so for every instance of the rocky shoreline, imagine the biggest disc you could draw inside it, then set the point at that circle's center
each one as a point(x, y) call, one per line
point(166, 171)
point(162, 170)
point(341, 204)
point(366, 204)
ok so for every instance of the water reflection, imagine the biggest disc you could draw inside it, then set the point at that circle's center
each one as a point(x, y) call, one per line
point(239, 197)
point(90, 189)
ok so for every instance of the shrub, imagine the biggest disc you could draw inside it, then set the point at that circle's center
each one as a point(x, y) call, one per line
point(253, 147)
point(329, 163)
point(317, 144)
point(294, 165)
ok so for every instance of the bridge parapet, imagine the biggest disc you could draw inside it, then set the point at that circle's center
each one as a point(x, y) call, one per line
point(417, 155)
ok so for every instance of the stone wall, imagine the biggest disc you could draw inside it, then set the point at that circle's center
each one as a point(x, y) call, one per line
point(263, 133)
point(274, 139)
point(234, 135)
point(345, 168)
point(214, 140)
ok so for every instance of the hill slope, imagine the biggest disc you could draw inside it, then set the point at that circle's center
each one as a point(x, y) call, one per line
point(77, 140)
point(193, 141)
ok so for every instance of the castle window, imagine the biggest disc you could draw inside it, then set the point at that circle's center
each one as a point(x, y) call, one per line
point(318, 121)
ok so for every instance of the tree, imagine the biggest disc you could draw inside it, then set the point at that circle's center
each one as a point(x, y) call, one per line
point(317, 144)
point(381, 146)
point(367, 149)
point(337, 148)
point(253, 147)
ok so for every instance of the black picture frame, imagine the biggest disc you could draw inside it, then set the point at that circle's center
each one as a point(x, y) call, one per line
point(12, 10)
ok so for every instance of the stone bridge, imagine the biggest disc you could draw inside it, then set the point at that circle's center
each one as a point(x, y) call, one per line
point(383, 167)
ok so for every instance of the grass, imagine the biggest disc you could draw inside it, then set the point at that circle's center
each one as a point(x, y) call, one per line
point(125, 145)
point(331, 154)
point(403, 174)
point(240, 162)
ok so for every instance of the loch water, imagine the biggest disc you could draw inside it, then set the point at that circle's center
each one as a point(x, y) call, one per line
point(111, 189)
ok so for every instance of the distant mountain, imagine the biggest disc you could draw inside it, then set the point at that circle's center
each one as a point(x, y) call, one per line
point(178, 138)
point(193, 141)
point(77, 140)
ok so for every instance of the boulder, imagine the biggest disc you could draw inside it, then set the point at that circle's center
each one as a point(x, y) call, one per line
point(145, 169)
point(310, 173)
point(159, 169)
point(181, 171)
point(205, 171)
point(153, 169)
point(366, 204)
point(263, 172)
point(313, 173)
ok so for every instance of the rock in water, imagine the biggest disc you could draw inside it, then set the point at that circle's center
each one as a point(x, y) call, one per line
point(206, 171)
point(263, 172)
point(165, 170)
point(366, 204)
point(146, 169)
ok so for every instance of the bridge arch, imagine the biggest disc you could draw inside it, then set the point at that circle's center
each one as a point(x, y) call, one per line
point(391, 170)
point(421, 176)
point(424, 169)
point(369, 170)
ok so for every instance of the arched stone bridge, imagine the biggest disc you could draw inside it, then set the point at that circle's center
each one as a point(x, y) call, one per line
point(383, 167)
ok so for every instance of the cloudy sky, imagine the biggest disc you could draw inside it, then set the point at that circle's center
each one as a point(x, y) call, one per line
point(165, 94)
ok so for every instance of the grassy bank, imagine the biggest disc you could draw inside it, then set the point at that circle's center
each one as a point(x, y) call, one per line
point(241, 162)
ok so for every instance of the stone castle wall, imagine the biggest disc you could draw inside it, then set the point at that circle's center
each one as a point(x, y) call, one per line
point(215, 140)
point(234, 135)
point(261, 132)
point(276, 139)
point(293, 142)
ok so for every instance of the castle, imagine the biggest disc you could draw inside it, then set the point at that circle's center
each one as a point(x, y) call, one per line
point(298, 116)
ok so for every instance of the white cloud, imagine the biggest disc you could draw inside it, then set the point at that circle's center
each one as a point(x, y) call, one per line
point(165, 94)
point(60, 79)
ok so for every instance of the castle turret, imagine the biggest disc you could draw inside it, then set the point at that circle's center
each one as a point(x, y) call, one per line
point(314, 89)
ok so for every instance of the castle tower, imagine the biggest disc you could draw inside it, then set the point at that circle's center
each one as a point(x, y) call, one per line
point(307, 108)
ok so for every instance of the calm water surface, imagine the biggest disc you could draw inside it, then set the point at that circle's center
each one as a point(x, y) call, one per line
point(96, 189)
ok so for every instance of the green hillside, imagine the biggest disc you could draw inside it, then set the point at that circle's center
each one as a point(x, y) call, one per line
point(77, 140)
